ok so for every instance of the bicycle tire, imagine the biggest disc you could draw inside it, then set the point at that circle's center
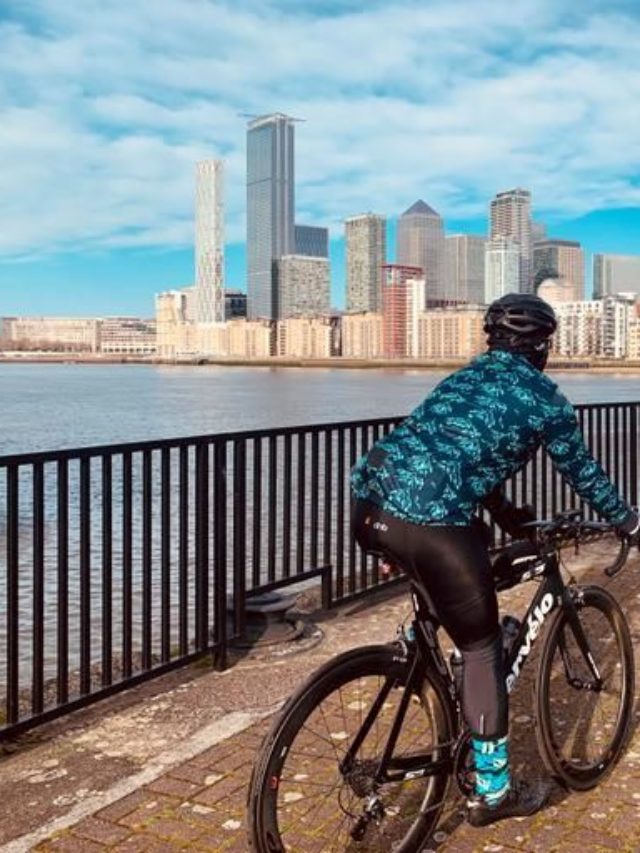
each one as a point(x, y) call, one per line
point(576, 753)
point(291, 760)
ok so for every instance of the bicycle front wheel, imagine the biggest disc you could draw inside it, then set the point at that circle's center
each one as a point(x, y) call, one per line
point(307, 794)
point(584, 711)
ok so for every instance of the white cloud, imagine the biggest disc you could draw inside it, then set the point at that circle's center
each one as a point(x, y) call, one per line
point(106, 107)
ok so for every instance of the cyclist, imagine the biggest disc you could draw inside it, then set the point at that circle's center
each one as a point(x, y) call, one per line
point(416, 492)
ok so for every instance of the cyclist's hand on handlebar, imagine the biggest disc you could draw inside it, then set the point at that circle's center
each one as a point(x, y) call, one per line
point(630, 530)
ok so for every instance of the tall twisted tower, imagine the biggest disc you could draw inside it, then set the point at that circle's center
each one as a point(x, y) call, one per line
point(209, 285)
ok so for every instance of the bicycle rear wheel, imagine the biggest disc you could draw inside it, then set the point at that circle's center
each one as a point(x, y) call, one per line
point(300, 799)
point(583, 722)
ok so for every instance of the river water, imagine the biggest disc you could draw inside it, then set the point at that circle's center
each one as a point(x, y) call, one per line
point(54, 406)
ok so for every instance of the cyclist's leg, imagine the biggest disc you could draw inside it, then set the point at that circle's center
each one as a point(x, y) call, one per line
point(451, 564)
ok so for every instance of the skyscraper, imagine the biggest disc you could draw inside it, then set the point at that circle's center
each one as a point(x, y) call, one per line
point(402, 301)
point(464, 269)
point(502, 268)
point(312, 241)
point(420, 243)
point(209, 244)
point(270, 208)
point(366, 249)
point(614, 274)
point(303, 286)
point(510, 215)
point(565, 258)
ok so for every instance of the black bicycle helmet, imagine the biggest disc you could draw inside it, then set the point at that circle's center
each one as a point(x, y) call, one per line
point(520, 317)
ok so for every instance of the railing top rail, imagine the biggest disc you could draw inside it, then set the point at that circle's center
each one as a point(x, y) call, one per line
point(212, 438)
point(184, 441)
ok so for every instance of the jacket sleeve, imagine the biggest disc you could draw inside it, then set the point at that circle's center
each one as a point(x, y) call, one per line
point(565, 445)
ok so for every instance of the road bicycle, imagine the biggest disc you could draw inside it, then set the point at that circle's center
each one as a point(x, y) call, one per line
point(362, 755)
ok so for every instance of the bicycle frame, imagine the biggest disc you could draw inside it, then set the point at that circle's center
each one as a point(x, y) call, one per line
point(551, 595)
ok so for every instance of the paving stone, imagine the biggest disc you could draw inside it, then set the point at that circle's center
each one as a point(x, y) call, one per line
point(71, 844)
point(144, 843)
point(174, 787)
point(102, 831)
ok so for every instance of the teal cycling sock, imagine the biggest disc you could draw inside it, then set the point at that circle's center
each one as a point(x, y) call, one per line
point(493, 779)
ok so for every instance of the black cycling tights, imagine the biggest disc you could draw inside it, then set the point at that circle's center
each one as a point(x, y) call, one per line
point(452, 565)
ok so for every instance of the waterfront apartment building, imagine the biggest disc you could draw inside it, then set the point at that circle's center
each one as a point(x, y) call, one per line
point(452, 332)
point(598, 327)
point(562, 260)
point(510, 217)
point(209, 242)
point(366, 252)
point(250, 339)
point(303, 286)
point(58, 334)
point(237, 338)
point(174, 332)
point(270, 208)
point(579, 331)
point(403, 298)
point(614, 274)
point(127, 336)
point(633, 332)
point(420, 243)
point(308, 337)
point(502, 268)
point(362, 335)
point(464, 269)
point(311, 240)
point(617, 313)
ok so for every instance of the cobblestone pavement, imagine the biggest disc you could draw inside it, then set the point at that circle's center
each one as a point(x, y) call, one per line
point(199, 804)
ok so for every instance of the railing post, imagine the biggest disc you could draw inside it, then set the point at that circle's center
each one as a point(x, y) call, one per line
point(37, 698)
point(220, 555)
point(633, 454)
point(147, 567)
point(13, 624)
point(239, 535)
point(62, 639)
point(202, 544)
point(107, 568)
point(85, 575)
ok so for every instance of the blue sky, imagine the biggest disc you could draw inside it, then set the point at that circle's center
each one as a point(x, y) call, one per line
point(106, 106)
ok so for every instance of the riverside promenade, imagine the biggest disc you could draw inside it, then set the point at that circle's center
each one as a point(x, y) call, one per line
point(165, 766)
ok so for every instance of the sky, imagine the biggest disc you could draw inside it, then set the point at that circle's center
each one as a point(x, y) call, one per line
point(107, 105)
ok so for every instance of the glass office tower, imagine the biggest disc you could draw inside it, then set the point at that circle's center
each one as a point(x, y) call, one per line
point(270, 209)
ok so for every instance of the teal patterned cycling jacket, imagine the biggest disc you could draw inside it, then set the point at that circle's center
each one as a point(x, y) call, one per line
point(475, 430)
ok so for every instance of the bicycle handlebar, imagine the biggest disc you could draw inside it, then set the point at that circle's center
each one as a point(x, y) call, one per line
point(568, 526)
point(613, 570)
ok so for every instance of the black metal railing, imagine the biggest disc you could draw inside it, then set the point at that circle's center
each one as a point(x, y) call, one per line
point(123, 562)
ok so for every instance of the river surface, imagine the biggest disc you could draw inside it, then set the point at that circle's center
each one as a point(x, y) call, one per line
point(53, 406)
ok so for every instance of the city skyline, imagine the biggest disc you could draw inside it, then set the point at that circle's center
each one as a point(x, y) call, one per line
point(114, 159)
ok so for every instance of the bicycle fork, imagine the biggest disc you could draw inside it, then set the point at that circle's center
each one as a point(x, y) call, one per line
point(570, 599)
